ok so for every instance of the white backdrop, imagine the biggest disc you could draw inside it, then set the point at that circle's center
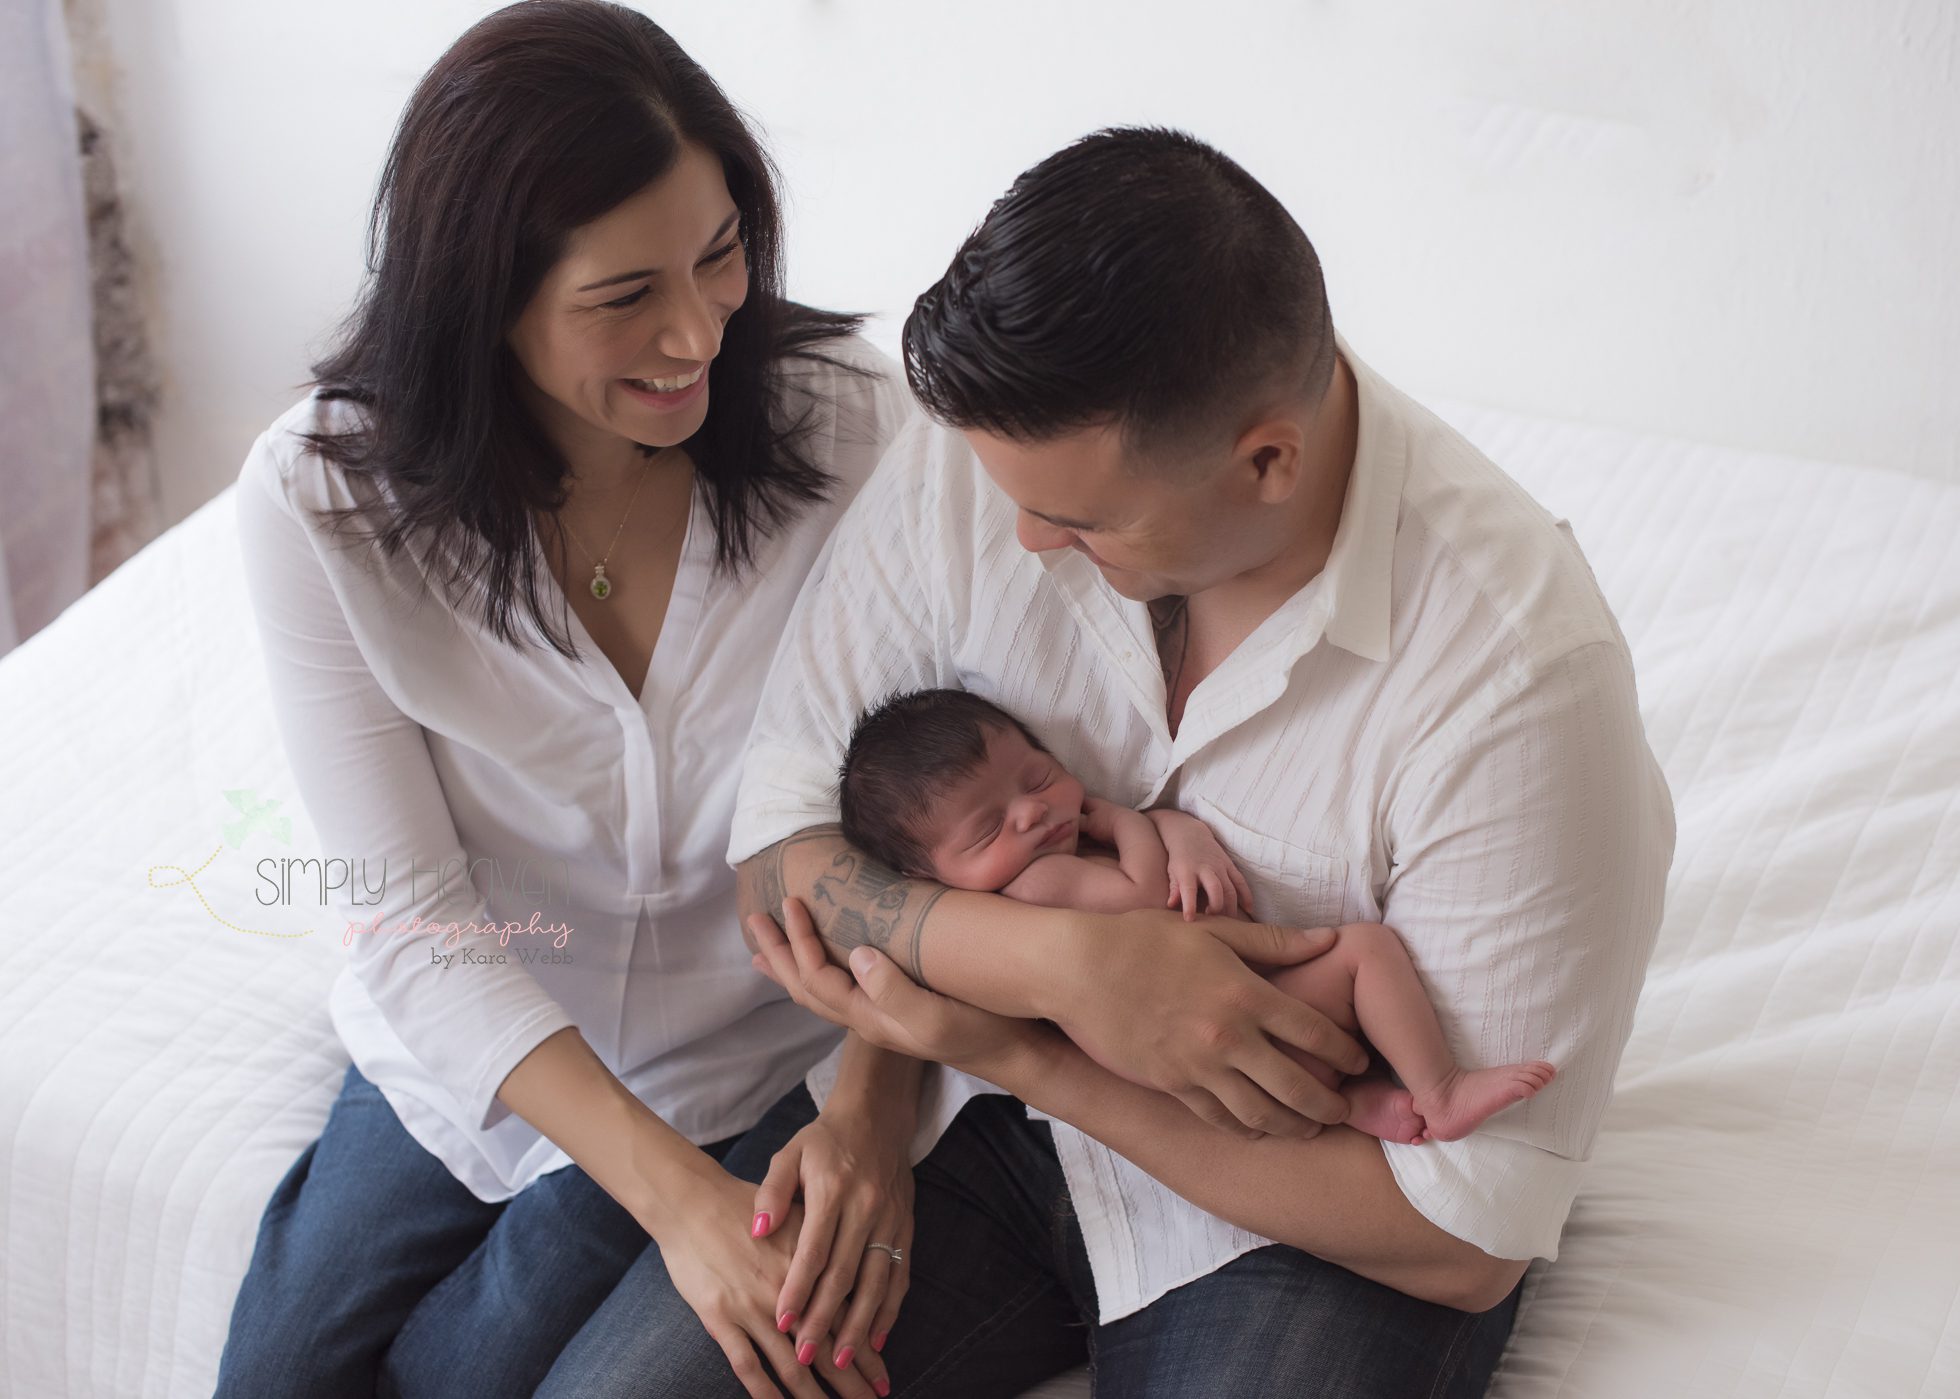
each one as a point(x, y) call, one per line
point(1726, 220)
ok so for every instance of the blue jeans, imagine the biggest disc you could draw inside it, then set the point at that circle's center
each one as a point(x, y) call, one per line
point(376, 1272)
point(1002, 1298)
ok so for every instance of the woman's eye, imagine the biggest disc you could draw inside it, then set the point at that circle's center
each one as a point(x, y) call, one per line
point(623, 302)
point(721, 254)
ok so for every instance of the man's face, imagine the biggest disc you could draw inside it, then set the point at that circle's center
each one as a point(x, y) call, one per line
point(1154, 531)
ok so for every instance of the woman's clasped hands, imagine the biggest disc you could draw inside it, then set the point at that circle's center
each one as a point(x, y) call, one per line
point(807, 1270)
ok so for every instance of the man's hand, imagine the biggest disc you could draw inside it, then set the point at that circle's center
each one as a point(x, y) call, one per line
point(1173, 1006)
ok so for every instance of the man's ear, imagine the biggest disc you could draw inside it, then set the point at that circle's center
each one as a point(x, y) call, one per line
point(1272, 455)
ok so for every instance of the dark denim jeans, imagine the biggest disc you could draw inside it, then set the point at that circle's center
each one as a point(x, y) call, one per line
point(1002, 1297)
point(376, 1272)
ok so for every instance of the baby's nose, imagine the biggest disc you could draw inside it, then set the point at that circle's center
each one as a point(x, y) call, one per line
point(1033, 812)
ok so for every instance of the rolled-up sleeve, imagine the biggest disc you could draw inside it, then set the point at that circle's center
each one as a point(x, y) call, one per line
point(367, 781)
point(1531, 843)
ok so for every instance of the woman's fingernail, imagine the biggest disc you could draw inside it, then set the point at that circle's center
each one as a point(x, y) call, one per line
point(785, 1321)
point(806, 1352)
point(761, 1225)
point(842, 1359)
point(883, 1387)
point(878, 1341)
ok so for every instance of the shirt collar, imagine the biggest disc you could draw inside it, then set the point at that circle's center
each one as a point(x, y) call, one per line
point(1361, 564)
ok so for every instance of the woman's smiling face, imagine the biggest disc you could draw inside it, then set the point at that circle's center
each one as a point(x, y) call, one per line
point(619, 339)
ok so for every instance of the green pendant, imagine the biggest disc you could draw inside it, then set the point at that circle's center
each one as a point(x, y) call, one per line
point(601, 585)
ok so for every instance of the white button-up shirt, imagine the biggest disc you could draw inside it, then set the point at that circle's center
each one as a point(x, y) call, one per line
point(1439, 732)
point(423, 745)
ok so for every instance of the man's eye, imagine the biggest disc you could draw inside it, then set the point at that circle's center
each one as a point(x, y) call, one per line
point(623, 302)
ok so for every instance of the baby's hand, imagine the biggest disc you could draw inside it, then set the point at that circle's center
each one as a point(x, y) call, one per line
point(1203, 877)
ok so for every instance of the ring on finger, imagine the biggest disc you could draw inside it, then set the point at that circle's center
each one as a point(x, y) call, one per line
point(898, 1254)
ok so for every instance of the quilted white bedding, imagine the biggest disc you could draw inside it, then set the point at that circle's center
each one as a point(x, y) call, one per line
point(1773, 1207)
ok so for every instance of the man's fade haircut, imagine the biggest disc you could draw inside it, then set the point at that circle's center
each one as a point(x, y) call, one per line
point(1139, 278)
point(904, 753)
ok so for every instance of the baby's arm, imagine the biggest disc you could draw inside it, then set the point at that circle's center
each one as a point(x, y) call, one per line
point(1137, 880)
point(1139, 849)
point(1203, 878)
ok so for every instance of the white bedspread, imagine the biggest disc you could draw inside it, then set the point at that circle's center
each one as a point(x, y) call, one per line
point(1773, 1207)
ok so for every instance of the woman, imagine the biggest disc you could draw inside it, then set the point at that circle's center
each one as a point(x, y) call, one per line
point(519, 564)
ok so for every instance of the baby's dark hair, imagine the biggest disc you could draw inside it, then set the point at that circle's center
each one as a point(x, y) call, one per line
point(902, 754)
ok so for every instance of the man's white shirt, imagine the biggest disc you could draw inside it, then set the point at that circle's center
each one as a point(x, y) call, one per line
point(1439, 732)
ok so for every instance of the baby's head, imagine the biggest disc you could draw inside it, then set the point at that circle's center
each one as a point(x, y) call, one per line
point(941, 784)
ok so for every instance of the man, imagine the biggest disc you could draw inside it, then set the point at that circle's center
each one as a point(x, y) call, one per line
point(1166, 517)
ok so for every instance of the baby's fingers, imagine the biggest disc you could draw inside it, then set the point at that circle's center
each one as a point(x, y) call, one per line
point(1245, 890)
point(1215, 900)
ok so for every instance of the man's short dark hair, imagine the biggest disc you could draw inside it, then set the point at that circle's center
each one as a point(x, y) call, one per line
point(1138, 278)
point(902, 755)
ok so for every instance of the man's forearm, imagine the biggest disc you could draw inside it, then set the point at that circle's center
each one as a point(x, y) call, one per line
point(1332, 1195)
point(980, 948)
point(877, 1083)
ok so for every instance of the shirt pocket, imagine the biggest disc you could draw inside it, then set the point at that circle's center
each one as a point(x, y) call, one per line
point(1291, 885)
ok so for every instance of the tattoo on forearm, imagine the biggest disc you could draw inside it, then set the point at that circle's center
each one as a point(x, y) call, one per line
point(763, 877)
point(855, 901)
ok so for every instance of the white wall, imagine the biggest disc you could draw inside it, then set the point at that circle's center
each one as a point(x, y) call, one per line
point(1733, 220)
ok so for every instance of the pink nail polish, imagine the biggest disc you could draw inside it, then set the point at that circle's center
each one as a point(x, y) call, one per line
point(878, 1341)
point(883, 1387)
point(806, 1352)
point(761, 1225)
point(842, 1360)
point(785, 1321)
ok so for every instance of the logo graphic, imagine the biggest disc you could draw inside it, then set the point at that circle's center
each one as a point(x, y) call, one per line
point(254, 815)
point(545, 881)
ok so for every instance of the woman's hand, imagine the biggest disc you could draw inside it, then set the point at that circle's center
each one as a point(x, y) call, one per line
point(885, 1006)
point(851, 1170)
point(732, 1282)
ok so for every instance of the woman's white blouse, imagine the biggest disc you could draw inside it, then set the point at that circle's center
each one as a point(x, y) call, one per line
point(424, 746)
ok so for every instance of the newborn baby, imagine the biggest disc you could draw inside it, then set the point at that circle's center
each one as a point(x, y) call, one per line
point(941, 784)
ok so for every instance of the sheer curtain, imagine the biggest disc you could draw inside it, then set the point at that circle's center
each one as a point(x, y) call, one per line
point(47, 380)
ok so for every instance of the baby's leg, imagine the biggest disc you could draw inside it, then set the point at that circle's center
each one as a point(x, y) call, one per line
point(1375, 1105)
point(1400, 1022)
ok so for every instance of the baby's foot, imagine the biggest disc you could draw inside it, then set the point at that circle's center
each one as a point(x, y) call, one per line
point(1468, 1096)
point(1376, 1106)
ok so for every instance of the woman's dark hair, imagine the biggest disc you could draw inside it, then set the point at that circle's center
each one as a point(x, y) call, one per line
point(1138, 278)
point(539, 119)
point(904, 753)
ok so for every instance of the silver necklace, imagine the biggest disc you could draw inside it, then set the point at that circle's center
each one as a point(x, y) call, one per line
point(601, 586)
